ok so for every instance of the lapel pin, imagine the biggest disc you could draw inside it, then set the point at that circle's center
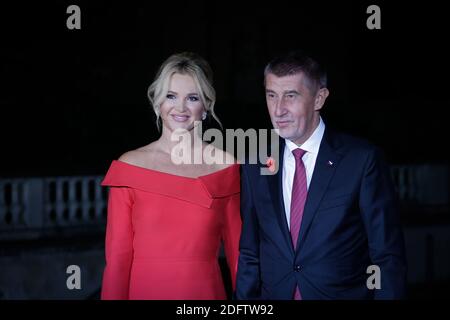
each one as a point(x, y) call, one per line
point(330, 163)
point(270, 163)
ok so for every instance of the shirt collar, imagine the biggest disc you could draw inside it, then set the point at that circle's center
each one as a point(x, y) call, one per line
point(313, 143)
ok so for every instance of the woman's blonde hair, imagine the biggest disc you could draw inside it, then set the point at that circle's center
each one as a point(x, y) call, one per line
point(183, 63)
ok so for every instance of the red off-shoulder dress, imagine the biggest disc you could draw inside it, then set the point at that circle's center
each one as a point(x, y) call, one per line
point(164, 233)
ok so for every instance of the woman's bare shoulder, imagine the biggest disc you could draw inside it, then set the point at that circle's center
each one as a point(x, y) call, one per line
point(226, 158)
point(139, 156)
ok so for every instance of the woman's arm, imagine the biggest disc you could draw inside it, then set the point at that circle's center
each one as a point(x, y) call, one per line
point(118, 245)
point(231, 233)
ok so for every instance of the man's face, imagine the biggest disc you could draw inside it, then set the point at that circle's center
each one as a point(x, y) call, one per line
point(294, 106)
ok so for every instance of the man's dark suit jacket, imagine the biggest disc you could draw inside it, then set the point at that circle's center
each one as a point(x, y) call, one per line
point(350, 222)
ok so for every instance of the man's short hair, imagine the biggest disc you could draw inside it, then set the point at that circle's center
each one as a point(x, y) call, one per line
point(295, 62)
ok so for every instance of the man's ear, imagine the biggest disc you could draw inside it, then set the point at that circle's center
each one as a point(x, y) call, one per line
point(321, 96)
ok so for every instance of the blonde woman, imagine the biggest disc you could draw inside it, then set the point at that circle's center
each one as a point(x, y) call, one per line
point(166, 221)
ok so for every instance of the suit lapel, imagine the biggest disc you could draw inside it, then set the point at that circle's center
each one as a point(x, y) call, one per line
point(326, 164)
point(275, 182)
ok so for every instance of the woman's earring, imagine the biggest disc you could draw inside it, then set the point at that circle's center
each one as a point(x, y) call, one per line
point(204, 115)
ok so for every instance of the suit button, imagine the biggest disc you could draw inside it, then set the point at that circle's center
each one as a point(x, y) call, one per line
point(297, 268)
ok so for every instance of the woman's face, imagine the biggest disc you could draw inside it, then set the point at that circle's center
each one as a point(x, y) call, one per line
point(182, 105)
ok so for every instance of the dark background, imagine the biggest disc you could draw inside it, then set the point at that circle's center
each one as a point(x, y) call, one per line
point(71, 101)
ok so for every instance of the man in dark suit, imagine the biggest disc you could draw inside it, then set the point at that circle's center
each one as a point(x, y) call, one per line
point(325, 226)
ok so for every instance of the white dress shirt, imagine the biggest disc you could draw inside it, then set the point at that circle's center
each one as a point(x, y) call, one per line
point(311, 146)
